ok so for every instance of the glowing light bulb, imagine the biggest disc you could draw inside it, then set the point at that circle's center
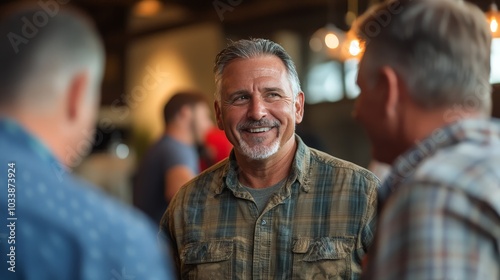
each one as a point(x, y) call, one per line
point(122, 151)
point(146, 8)
point(494, 25)
point(332, 41)
point(354, 48)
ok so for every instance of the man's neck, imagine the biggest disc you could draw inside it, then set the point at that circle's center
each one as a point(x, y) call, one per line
point(426, 123)
point(48, 130)
point(268, 172)
point(418, 124)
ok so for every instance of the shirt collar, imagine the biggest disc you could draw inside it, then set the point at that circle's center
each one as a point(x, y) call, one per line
point(299, 170)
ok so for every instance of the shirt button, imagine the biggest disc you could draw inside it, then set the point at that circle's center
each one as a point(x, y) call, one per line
point(263, 222)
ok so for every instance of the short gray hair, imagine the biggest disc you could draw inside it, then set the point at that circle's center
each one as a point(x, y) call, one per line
point(67, 40)
point(249, 49)
point(441, 48)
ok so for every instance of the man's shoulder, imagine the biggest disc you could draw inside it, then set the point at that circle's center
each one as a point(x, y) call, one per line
point(205, 185)
point(465, 165)
point(71, 198)
point(167, 146)
point(341, 166)
point(71, 203)
point(166, 153)
point(75, 221)
point(209, 178)
point(461, 170)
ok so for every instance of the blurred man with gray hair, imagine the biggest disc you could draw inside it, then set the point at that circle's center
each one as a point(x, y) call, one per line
point(425, 103)
point(59, 227)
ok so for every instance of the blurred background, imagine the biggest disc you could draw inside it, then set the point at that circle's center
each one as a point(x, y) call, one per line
point(155, 47)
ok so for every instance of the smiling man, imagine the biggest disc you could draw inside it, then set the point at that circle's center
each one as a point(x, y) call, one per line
point(275, 209)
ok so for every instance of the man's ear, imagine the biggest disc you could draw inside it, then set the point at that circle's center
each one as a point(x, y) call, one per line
point(76, 94)
point(393, 94)
point(218, 115)
point(299, 107)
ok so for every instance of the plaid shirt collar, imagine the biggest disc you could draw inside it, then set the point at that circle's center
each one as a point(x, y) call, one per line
point(472, 130)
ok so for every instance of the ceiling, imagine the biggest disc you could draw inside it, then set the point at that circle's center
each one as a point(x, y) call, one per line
point(117, 24)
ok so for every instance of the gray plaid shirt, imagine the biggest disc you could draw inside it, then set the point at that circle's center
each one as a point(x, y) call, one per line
point(440, 215)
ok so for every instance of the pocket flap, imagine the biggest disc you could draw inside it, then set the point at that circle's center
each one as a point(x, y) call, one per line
point(207, 251)
point(323, 248)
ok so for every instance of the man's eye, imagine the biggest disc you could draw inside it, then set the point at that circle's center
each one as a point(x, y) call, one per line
point(240, 99)
point(273, 94)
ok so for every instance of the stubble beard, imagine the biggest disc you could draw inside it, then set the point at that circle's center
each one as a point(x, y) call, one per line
point(259, 151)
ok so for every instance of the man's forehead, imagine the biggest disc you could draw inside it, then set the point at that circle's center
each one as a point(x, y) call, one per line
point(270, 62)
point(248, 70)
point(267, 71)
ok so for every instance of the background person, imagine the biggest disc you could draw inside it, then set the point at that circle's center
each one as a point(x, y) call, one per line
point(216, 148)
point(49, 95)
point(173, 160)
point(425, 102)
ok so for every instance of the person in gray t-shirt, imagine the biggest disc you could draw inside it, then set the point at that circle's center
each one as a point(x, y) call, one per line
point(173, 160)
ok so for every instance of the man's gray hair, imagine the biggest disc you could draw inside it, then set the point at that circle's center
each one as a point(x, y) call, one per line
point(67, 40)
point(249, 49)
point(441, 48)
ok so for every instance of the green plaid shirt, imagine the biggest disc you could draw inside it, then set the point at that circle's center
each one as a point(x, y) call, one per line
point(319, 224)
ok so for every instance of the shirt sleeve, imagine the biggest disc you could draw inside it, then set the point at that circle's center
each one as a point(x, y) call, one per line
point(180, 155)
point(428, 231)
point(167, 241)
point(370, 219)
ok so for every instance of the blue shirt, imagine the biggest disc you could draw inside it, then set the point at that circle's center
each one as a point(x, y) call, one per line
point(440, 208)
point(57, 227)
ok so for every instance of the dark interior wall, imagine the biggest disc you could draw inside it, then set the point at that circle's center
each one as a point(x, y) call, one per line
point(332, 125)
point(496, 101)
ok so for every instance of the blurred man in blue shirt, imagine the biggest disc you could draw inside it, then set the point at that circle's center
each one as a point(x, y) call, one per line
point(55, 226)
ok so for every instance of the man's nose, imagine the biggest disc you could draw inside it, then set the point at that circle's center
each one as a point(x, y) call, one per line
point(257, 109)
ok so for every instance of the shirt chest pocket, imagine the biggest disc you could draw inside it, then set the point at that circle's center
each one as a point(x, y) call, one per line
point(207, 260)
point(322, 258)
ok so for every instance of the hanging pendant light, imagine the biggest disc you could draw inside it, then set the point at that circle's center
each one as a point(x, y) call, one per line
point(493, 17)
point(328, 39)
point(352, 47)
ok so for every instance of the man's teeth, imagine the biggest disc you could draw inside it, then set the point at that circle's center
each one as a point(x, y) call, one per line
point(258, 130)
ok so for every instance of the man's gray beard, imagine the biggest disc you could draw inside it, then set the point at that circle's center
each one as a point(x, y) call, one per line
point(259, 152)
